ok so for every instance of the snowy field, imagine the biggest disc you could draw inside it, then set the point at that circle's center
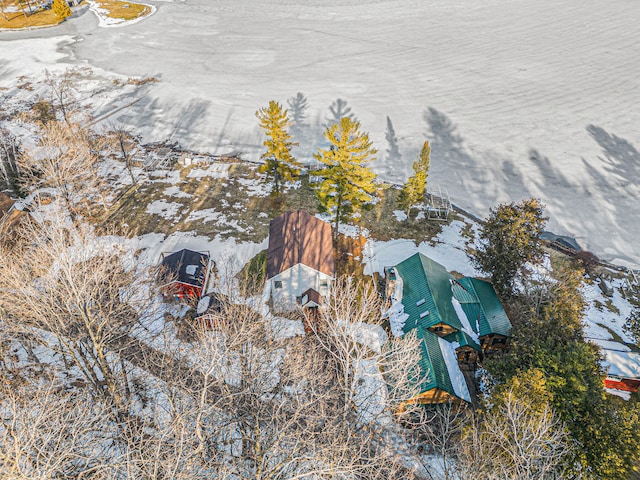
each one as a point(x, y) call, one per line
point(520, 98)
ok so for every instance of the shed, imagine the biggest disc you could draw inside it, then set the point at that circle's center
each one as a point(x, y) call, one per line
point(623, 370)
point(184, 274)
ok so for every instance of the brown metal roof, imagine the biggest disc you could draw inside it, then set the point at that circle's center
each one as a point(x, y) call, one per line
point(297, 237)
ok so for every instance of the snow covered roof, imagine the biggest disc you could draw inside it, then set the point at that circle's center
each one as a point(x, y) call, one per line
point(622, 364)
point(297, 237)
point(439, 366)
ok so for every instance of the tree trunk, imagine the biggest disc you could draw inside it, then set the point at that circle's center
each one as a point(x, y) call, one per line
point(337, 222)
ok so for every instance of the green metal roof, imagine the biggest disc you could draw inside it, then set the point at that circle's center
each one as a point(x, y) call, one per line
point(426, 288)
point(427, 297)
point(482, 307)
point(433, 367)
point(463, 339)
point(426, 293)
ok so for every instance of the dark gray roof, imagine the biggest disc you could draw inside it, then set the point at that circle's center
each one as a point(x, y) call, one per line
point(187, 266)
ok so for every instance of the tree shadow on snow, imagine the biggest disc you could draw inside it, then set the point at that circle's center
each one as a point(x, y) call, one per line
point(621, 157)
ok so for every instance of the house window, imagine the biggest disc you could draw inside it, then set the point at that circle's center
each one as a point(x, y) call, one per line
point(324, 284)
point(277, 284)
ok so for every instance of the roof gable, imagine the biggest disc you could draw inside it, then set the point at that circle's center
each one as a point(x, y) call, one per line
point(189, 267)
point(426, 294)
point(297, 237)
point(482, 307)
point(438, 366)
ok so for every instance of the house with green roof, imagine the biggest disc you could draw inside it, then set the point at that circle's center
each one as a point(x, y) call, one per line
point(456, 321)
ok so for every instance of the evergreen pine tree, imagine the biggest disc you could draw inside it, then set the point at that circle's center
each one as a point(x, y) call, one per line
point(280, 165)
point(414, 190)
point(548, 336)
point(632, 325)
point(347, 183)
point(61, 9)
point(510, 239)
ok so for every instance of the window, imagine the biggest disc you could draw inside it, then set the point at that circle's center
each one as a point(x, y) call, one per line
point(424, 314)
point(277, 284)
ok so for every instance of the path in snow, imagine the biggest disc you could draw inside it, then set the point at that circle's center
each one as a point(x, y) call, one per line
point(520, 98)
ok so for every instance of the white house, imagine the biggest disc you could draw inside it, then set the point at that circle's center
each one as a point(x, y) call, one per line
point(300, 264)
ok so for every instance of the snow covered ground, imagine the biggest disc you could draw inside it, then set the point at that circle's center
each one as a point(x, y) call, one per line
point(518, 98)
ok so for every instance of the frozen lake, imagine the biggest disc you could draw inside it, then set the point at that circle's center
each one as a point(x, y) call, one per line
point(519, 98)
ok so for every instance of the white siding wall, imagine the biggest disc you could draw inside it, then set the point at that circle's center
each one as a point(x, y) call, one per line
point(295, 281)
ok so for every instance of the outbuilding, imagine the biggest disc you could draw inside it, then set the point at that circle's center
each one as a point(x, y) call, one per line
point(184, 274)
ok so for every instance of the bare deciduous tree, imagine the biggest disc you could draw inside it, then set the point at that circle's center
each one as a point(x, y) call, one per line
point(75, 299)
point(63, 91)
point(240, 401)
point(124, 143)
point(66, 159)
point(514, 439)
point(9, 154)
point(49, 432)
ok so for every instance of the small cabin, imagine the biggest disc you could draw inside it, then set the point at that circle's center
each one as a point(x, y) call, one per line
point(300, 261)
point(184, 275)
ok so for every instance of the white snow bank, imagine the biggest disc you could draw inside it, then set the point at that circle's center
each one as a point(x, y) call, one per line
point(607, 316)
point(216, 170)
point(610, 345)
point(369, 391)
point(167, 210)
point(400, 215)
point(449, 250)
point(373, 336)
point(176, 192)
point(283, 328)
point(455, 374)
point(206, 215)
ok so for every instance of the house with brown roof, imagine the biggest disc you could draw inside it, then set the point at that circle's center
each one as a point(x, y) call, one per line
point(300, 263)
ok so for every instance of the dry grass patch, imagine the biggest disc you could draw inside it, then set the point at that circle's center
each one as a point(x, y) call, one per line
point(235, 206)
point(39, 18)
point(123, 10)
point(383, 225)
